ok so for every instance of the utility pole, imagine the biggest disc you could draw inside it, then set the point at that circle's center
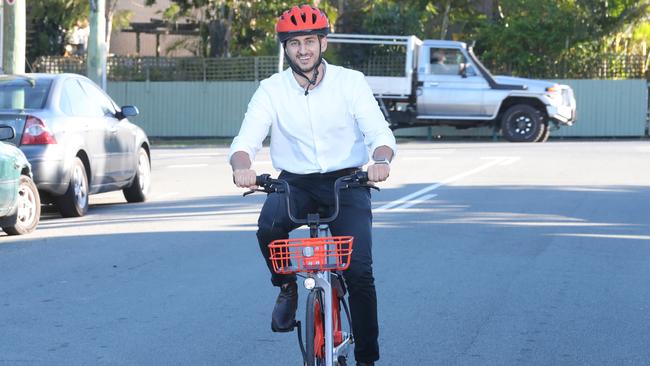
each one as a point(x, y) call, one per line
point(97, 50)
point(13, 36)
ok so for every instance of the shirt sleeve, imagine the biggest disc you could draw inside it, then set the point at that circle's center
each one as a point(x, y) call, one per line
point(255, 127)
point(369, 117)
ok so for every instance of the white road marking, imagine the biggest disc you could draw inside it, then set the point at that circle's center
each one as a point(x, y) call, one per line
point(415, 202)
point(608, 236)
point(414, 196)
point(509, 161)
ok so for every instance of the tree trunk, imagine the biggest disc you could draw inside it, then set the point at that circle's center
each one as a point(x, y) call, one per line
point(111, 6)
point(445, 21)
point(220, 33)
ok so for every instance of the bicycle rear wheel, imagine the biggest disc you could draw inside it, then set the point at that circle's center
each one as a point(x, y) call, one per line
point(315, 329)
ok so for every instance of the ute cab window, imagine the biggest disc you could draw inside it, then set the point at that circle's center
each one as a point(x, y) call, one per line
point(445, 61)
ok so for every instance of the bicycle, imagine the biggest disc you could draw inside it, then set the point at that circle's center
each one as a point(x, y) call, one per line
point(319, 259)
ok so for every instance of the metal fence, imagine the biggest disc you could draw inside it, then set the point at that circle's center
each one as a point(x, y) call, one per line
point(606, 66)
point(126, 68)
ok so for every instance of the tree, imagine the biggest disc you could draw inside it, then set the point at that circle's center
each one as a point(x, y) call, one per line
point(115, 18)
point(49, 22)
point(454, 19)
point(533, 37)
point(229, 27)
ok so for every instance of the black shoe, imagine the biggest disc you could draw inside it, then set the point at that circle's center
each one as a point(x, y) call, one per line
point(284, 312)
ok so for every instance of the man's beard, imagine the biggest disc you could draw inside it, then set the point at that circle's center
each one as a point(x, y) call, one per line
point(305, 69)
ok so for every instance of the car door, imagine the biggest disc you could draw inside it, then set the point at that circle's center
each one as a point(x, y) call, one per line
point(445, 92)
point(119, 144)
point(85, 127)
point(9, 174)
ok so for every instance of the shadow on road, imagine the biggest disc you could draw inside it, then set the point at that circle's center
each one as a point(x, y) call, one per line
point(476, 275)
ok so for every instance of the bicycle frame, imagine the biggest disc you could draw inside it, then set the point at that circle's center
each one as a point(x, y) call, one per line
point(318, 279)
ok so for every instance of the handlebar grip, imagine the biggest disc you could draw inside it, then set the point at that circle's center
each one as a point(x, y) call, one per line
point(261, 180)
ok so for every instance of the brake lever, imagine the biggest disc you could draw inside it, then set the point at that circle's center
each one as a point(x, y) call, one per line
point(359, 184)
point(253, 191)
point(266, 189)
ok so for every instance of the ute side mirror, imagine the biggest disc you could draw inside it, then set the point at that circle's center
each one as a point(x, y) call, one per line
point(7, 133)
point(466, 69)
point(128, 111)
point(462, 70)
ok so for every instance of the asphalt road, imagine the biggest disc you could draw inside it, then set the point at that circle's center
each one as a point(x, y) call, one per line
point(485, 254)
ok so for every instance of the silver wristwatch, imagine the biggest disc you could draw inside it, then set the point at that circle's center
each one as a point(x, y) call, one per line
point(381, 161)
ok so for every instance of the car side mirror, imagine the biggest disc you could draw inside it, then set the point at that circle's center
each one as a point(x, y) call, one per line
point(7, 133)
point(127, 111)
point(130, 111)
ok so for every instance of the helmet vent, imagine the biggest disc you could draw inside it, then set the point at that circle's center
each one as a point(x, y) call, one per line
point(313, 18)
point(304, 17)
point(293, 20)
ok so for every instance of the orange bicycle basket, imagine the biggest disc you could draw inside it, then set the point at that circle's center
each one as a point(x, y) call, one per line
point(311, 254)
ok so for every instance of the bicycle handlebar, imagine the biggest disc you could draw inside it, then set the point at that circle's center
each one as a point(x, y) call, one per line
point(272, 185)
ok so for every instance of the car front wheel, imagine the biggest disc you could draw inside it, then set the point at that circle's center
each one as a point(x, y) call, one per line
point(138, 190)
point(522, 123)
point(74, 202)
point(28, 213)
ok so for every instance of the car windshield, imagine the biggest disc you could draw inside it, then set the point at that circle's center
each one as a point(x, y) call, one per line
point(19, 92)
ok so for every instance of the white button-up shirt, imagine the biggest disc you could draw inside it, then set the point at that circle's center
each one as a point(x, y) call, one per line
point(334, 127)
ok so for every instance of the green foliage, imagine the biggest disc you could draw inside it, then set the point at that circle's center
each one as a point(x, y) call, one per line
point(228, 27)
point(525, 37)
point(534, 38)
point(394, 17)
point(122, 19)
point(48, 22)
point(530, 34)
point(425, 19)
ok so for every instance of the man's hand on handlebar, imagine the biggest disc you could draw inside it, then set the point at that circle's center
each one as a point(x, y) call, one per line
point(244, 178)
point(378, 172)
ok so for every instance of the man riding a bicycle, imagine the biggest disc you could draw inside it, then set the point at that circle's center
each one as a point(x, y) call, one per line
point(324, 121)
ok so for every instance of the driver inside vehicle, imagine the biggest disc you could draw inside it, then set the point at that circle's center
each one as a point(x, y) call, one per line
point(438, 65)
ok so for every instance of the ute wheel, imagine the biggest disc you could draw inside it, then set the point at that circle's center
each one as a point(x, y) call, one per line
point(138, 190)
point(74, 202)
point(28, 213)
point(522, 123)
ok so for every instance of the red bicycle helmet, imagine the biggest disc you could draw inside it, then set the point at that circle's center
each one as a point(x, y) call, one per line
point(300, 21)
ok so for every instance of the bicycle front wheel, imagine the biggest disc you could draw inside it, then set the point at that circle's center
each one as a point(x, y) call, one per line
point(315, 329)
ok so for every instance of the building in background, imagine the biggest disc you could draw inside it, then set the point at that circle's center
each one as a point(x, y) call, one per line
point(125, 42)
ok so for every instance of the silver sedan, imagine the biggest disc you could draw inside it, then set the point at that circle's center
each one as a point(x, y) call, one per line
point(77, 139)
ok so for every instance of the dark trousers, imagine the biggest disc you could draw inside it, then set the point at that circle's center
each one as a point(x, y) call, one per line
point(309, 192)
